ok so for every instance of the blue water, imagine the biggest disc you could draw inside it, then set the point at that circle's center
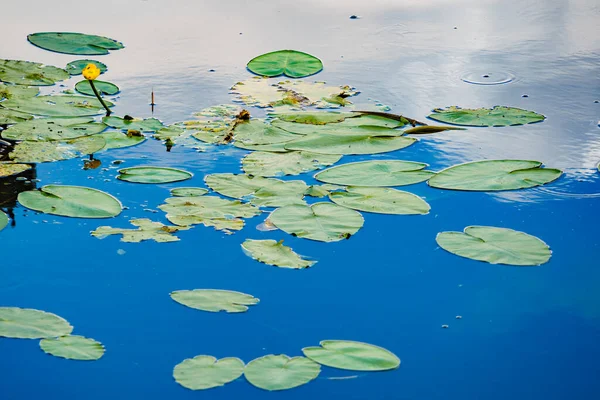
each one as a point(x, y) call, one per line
point(525, 333)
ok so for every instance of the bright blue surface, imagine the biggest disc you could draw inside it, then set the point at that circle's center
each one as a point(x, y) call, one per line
point(526, 333)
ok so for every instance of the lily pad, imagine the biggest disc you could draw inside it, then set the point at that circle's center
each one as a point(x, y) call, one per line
point(494, 175)
point(151, 174)
point(8, 169)
point(275, 253)
point(8, 117)
point(206, 372)
point(27, 323)
point(318, 94)
point(58, 106)
point(354, 356)
point(71, 201)
point(280, 372)
point(44, 129)
point(3, 220)
point(102, 87)
point(496, 116)
point(256, 132)
point(272, 148)
point(37, 152)
point(268, 192)
point(76, 67)
point(261, 163)
point(215, 300)
point(380, 200)
point(30, 73)
point(324, 222)
point(142, 125)
point(12, 91)
point(322, 190)
point(349, 144)
point(147, 230)
point(495, 246)
point(314, 118)
point(74, 43)
point(341, 128)
point(262, 92)
point(334, 120)
point(119, 140)
point(73, 347)
point(188, 192)
point(294, 64)
point(427, 129)
point(376, 173)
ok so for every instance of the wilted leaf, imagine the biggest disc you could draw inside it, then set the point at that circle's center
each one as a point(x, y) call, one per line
point(147, 230)
point(275, 253)
point(37, 152)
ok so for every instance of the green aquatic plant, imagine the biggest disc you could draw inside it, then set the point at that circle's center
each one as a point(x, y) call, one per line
point(206, 372)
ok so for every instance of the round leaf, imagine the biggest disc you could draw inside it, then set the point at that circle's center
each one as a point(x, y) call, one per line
point(71, 201)
point(292, 163)
point(280, 372)
point(153, 175)
point(355, 356)
point(294, 64)
point(12, 91)
point(73, 347)
point(376, 173)
point(74, 43)
point(53, 129)
point(76, 67)
point(142, 125)
point(30, 73)
point(27, 323)
point(495, 246)
point(275, 253)
point(323, 222)
point(8, 117)
point(119, 140)
point(188, 192)
point(205, 372)
point(349, 144)
point(380, 200)
point(215, 300)
point(494, 175)
point(58, 106)
point(496, 116)
point(314, 118)
point(102, 87)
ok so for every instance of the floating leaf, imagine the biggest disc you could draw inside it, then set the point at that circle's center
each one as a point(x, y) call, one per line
point(153, 174)
point(147, 230)
point(332, 120)
point(12, 91)
point(496, 116)
point(102, 87)
point(119, 140)
point(188, 192)
point(71, 201)
point(380, 200)
point(494, 175)
point(169, 132)
point(322, 190)
point(273, 148)
point(44, 129)
point(76, 67)
point(27, 323)
point(58, 106)
point(37, 152)
point(495, 246)
point(215, 300)
point(315, 118)
point(268, 192)
point(292, 163)
point(261, 92)
point(205, 372)
point(3, 220)
point(355, 356)
point(8, 117)
point(74, 43)
point(142, 125)
point(280, 372)
point(212, 124)
point(30, 73)
point(73, 347)
point(294, 64)
point(7, 169)
point(426, 129)
point(376, 173)
point(344, 128)
point(324, 222)
point(349, 144)
point(256, 132)
point(275, 253)
point(318, 94)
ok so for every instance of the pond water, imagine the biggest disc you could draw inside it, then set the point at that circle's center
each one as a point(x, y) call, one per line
point(525, 333)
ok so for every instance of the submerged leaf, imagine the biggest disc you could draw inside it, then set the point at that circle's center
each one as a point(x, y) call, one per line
point(38, 152)
point(354, 356)
point(27, 323)
point(30, 73)
point(496, 116)
point(147, 230)
point(380, 200)
point(205, 372)
point(376, 173)
point(292, 63)
point(275, 253)
point(44, 129)
point(102, 87)
point(76, 67)
point(73, 347)
point(214, 300)
point(280, 372)
point(149, 174)
point(58, 106)
point(260, 163)
point(74, 43)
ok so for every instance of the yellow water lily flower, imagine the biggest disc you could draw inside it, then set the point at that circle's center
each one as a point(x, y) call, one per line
point(91, 72)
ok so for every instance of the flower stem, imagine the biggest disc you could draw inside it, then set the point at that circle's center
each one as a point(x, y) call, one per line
point(99, 98)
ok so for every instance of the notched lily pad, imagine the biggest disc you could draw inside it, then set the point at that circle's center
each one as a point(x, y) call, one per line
point(30, 73)
point(380, 200)
point(74, 43)
point(214, 300)
point(206, 372)
point(275, 253)
point(151, 174)
point(292, 63)
point(27, 323)
point(76, 67)
point(281, 372)
point(102, 87)
point(376, 173)
point(496, 116)
point(147, 230)
point(73, 347)
point(354, 356)
point(188, 192)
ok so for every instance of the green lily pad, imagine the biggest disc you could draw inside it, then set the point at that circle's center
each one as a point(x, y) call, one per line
point(275, 253)
point(3, 220)
point(380, 200)
point(206, 372)
point(349, 144)
point(214, 300)
point(188, 192)
point(142, 125)
point(427, 129)
point(261, 163)
point(8, 117)
point(73, 347)
point(259, 191)
point(496, 116)
point(9, 169)
point(354, 356)
point(30, 73)
point(58, 106)
point(102, 87)
point(494, 175)
point(324, 222)
point(27, 323)
point(37, 152)
point(119, 140)
point(169, 132)
point(153, 174)
point(314, 118)
point(44, 129)
point(376, 173)
point(256, 132)
point(495, 246)
point(294, 64)
point(322, 190)
point(12, 91)
point(71, 201)
point(147, 230)
point(76, 67)
point(272, 148)
point(280, 372)
point(341, 128)
point(74, 43)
